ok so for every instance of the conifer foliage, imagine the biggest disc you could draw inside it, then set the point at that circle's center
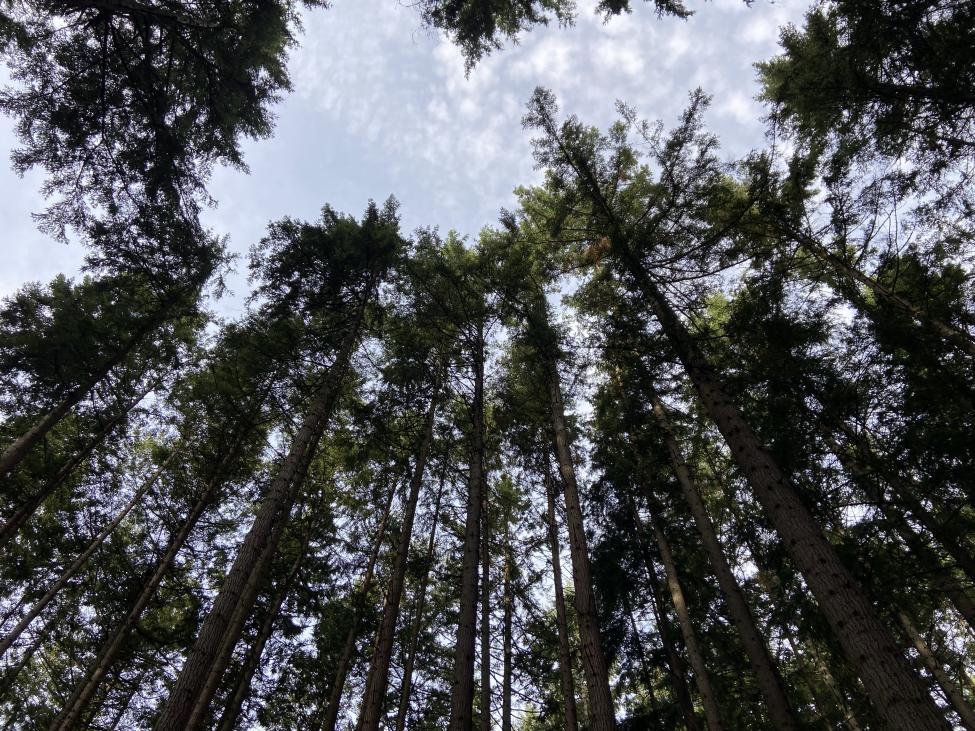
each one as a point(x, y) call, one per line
point(682, 442)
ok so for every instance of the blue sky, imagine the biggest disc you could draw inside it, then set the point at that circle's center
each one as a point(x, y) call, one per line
point(382, 106)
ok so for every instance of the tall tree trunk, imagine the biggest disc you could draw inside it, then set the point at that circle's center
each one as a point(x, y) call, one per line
point(417, 625)
point(485, 587)
point(895, 689)
point(695, 655)
point(506, 630)
point(565, 654)
point(241, 585)
point(678, 671)
point(951, 689)
point(941, 578)
point(462, 690)
point(236, 701)
point(72, 715)
point(82, 559)
point(15, 453)
point(603, 717)
point(956, 336)
point(23, 512)
point(645, 671)
point(826, 676)
point(780, 711)
point(331, 716)
point(378, 678)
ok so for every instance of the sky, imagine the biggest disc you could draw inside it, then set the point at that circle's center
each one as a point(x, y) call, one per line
point(382, 106)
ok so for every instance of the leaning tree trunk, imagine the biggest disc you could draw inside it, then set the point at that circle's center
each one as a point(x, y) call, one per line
point(242, 687)
point(240, 588)
point(485, 614)
point(15, 453)
point(77, 704)
point(331, 717)
point(23, 512)
point(895, 689)
point(770, 682)
point(695, 655)
point(951, 689)
point(80, 562)
point(678, 671)
point(378, 678)
point(602, 714)
point(417, 625)
point(565, 653)
point(462, 690)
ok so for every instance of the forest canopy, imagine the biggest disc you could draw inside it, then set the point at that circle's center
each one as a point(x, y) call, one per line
point(683, 440)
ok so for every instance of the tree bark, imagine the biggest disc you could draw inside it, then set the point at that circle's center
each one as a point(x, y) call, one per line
point(485, 708)
point(780, 711)
point(701, 676)
point(895, 689)
point(602, 713)
point(331, 716)
point(506, 629)
point(72, 714)
point(378, 678)
point(240, 588)
point(951, 689)
point(417, 625)
point(23, 513)
point(232, 710)
point(462, 691)
point(565, 654)
point(82, 559)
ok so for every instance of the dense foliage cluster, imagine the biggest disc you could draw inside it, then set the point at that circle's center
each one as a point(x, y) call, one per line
point(681, 442)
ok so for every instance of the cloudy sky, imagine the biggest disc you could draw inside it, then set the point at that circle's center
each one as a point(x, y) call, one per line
point(381, 106)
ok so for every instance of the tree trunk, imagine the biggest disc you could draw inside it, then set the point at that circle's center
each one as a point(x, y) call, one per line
point(694, 653)
point(24, 512)
point(15, 453)
point(645, 672)
point(240, 587)
point(462, 691)
point(348, 651)
point(678, 671)
point(565, 654)
point(378, 678)
point(72, 714)
point(827, 677)
point(253, 659)
point(506, 630)
point(603, 717)
point(951, 689)
point(780, 711)
point(81, 560)
point(895, 689)
point(421, 596)
point(485, 587)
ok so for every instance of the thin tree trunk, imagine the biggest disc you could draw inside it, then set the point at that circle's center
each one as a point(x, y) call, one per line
point(82, 560)
point(232, 710)
point(565, 654)
point(74, 709)
point(24, 512)
point(485, 587)
point(378, 678)
point(462, 690)
point(827, 677)
point(15, 453)
point(421, 595)
point(780, 711)
point(647, 676)
point(603, 717)
point(954, 335)
point(895, 689)
point(678, 671)
point(506, 630)
point(331, 717)
point(694, 653)
point(239, 589)
point(951, 689)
